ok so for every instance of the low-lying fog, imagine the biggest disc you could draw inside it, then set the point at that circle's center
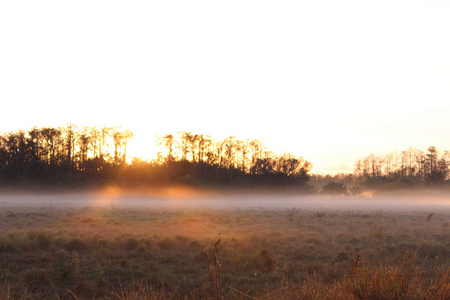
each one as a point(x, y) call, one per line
point(189, 199)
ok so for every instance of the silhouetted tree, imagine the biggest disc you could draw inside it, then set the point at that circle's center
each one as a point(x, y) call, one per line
point(431, 158)
point(169, 143)
point(121, 139)
point(84, 143)
point(70, 135)
point(185, 142)
point(104, 154)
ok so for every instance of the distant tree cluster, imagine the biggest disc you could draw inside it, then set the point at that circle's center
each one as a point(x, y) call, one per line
point(194, 158)
point(61, 154)
point(72, 154)
point(423, 167)
point(409, 169)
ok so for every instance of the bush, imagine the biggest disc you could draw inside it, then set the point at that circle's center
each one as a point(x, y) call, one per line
point(75, 244)
point(435, 178)
point(335, 188)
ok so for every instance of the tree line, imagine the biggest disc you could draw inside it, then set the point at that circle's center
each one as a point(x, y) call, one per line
point(197, 158)
point(423, 166)
point(396, 170)
point(80, 154)
point(407, 169)
point(61, 155)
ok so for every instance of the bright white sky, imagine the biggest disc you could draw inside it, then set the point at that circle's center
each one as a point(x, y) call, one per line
point(331, 81)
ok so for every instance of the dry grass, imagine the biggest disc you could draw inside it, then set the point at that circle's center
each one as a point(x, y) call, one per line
point(110, 253)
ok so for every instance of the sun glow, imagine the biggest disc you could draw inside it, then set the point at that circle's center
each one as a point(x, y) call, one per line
point(142, 146)
point(300, 73)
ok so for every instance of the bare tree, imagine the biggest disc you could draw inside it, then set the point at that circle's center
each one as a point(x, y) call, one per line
point(431, 158)
point(169, 143)
point(70, 134)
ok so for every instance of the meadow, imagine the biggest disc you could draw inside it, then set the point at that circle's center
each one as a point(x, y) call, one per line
point(183, 245)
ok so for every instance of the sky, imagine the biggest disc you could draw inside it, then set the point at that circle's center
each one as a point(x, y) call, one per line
point(330, 81)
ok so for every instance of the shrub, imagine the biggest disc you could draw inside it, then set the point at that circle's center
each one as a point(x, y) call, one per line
point(131, 244)
point(335, 188)
point(75, 244)
point(35, 277)
point(166, 243)
point(67, 266)
point(41, 239)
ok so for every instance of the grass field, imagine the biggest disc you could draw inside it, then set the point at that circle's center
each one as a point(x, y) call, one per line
point(86, 247)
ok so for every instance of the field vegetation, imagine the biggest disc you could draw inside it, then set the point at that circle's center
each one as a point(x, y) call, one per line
point(59, 250)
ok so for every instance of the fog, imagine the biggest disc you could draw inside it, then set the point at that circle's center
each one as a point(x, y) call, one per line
point(186, 198)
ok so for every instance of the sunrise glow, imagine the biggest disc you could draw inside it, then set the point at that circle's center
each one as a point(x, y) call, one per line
point(329, 81)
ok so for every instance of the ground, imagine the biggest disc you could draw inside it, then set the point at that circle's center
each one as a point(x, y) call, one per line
point(119, 246)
